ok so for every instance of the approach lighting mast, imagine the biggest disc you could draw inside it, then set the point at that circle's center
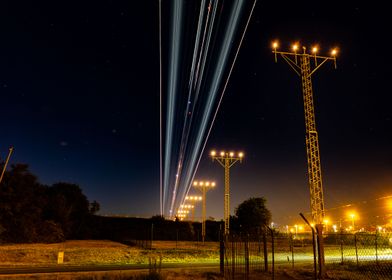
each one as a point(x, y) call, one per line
point(227, 160)
point(204, 186)
point(305, 64)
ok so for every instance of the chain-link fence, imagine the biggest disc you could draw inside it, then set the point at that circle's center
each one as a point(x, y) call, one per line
point(351, 256)
point(368, 253)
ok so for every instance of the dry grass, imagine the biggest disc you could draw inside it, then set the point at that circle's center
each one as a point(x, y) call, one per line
point(81, 252)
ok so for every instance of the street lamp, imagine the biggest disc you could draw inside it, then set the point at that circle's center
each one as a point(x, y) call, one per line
point(204, 186)
point(227, 160)
point(352, 216)
point(326, 222)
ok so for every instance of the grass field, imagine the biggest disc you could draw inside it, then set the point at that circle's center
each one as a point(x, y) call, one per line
point(80, 252)
point(105, 252)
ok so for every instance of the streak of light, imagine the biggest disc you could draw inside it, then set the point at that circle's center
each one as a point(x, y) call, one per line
point(198, 77)
point(188, 120)
point(161, 201)
point(190, 152)
point(214, 88)
point(172, 91)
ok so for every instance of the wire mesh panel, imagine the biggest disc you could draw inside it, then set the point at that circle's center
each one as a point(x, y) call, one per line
point(351, 256)
point(243, 255)
point(360, 255)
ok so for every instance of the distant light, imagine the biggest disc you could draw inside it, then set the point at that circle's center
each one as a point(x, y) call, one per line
point(213, 153)
point(241, 154)
point(222, 153)
point(295, 47)
point(195, 183)
point(201, 183)
point(207, 184)
point(213, 184)
point(275, 45)
point(334, 52)
point(314, 50)
point(231, 154)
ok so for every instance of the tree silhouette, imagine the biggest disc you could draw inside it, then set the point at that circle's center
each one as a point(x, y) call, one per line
point(253, 214)
point(33, 212)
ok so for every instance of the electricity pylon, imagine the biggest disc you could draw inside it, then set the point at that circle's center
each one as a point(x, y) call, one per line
point(304, 68)
point(227, 160)
point(204, 187)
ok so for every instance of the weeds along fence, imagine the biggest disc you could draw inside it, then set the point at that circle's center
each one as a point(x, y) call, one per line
point(354, 256)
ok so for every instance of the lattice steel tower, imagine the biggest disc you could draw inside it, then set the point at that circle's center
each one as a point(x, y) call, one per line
point(227, 160)
point(303, 68)
point(204, 186)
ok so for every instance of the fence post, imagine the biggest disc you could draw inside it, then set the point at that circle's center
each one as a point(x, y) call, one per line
point(341, 246)
point(265, 250)
point(356, 248)
point(320, 250)
point(222, 255)
point(247, 256)
point(273, 252)
point(314, 246)
point(292, 249)
point(233, 256)
point(375, 243)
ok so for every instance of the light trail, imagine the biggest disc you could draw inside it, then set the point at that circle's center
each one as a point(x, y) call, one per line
point(221, 98)
point(217, 77)
point(209, 25)
point(187, 116)
point(204, 86)
point(172, 91)
point(161, 202)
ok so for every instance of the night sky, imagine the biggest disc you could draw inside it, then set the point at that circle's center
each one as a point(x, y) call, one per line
point(79, 85)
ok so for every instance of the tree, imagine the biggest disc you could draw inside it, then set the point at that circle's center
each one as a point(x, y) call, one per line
point(253, 214)
point(21, 201)
point(68, 206)
point(33, 212)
